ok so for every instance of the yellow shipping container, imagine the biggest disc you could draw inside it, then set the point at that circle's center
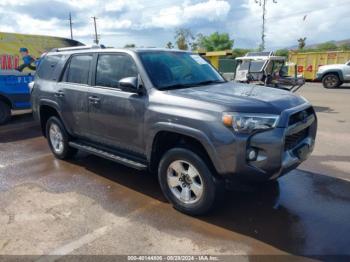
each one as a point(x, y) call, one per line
point(214, 56)
point(309, 62)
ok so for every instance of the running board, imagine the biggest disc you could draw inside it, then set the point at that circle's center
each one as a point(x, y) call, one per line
point(108, 155)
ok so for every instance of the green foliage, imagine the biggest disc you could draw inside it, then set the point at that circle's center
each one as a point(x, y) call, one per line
point(328, 46)
point(236, 52)
point(214, 42)
point(345, 47)
point(130, 46)
point(184, 38)
point(282, 52)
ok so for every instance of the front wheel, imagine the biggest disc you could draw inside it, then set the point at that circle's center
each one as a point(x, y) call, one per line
point(5, 112)
point(58, 139)
point(186, 181)
point(331, 81)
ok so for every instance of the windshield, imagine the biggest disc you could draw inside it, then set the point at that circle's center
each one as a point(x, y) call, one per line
point(178, 69)
point(253, 66)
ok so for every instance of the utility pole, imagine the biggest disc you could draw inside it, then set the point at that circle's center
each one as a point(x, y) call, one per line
point(262, 3)
point(96, 36)
point(71, 26)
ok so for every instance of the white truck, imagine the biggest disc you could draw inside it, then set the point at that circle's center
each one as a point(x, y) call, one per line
point(335, 75)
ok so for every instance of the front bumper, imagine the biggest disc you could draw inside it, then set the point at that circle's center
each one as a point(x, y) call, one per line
point(280, 150)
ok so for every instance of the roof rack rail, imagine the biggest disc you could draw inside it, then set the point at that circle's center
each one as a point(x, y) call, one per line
point(77, 48)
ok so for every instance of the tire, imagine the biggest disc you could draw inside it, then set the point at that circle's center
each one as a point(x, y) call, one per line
point(331, 81)
point(58, 139)
point(5, 112)
point(191, 188)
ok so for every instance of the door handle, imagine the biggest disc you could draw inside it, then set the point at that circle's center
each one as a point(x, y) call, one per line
point(94, 100)
point(59, 93)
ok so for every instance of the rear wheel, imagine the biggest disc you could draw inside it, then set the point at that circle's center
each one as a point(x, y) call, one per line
point(186, 181)
point(58, 139)
point(331, 81)
point(5, 112)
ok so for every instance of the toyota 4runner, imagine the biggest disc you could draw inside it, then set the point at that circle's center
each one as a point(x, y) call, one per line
point(172, 113)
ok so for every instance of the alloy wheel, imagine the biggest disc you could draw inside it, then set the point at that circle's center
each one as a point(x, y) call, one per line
point(56, 138)
point(185, 182)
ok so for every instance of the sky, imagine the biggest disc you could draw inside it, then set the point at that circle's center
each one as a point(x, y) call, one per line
point(153, 23)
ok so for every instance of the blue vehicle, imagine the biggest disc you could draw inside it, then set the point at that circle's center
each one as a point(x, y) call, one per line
point(14, 92)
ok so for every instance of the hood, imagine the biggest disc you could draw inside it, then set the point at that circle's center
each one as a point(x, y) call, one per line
point(333, 66)
point(243, 97)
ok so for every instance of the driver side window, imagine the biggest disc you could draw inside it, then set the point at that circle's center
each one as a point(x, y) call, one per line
point(113, 67)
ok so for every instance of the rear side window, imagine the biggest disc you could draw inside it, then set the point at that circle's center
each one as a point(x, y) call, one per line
point(78, 69)
point(47, 67)
point(113, 67)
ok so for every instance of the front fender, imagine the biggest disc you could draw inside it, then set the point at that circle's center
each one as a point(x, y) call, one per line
point(329, 71)
point(187, 131)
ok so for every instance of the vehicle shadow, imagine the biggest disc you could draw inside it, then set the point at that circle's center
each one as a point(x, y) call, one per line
point(303, 214)
point(344, 86)
point(20, 127)
point(15, 133)
point(324, 109)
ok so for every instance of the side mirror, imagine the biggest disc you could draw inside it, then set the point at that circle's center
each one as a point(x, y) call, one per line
point(129, 84)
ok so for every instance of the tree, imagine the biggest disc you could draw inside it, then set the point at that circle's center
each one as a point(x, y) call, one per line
point(240, 52)
point(169, 45)
point(184, 38)
point(301, 43)
point(328, 46)
point(345, 47)
point(130, 46)
point(282, 52)
point(215, 42)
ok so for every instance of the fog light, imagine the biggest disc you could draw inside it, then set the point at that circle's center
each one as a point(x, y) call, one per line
point(251, 154)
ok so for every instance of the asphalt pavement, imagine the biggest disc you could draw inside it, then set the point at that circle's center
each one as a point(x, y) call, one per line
point(90, 205)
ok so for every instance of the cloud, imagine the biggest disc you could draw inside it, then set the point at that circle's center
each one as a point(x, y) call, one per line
point(172, 16)
point(285, 22)
point(152, 23)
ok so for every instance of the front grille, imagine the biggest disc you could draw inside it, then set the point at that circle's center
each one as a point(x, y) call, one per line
point(300, 116)
point(292, 141)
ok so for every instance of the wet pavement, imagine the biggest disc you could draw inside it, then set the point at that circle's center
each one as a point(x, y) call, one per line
point(93, 206)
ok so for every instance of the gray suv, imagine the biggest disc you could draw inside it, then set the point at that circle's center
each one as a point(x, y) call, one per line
point(172, 113)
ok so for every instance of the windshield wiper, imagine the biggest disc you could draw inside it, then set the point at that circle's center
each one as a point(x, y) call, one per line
point(175, 86)
point(208, 82)
point(178, 86)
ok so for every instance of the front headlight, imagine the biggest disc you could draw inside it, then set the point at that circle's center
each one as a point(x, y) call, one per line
point(247, 123)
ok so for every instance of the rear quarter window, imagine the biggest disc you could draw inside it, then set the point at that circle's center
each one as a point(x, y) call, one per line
point(47, 68)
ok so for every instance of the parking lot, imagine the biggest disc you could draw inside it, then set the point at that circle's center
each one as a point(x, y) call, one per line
point(94, 206)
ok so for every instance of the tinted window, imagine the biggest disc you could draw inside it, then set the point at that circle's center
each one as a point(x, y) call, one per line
point(256, 66)
point(112, 68)
point(244, 65)
point(167, 69)
point(253, 66)
point(47, 66)
point(78, 69)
